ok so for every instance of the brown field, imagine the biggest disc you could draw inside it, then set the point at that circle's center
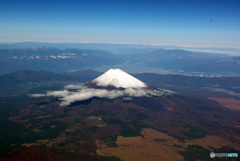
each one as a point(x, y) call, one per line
point(37, 143)
point(212, 141)
point(100, 145)
point(153, 146)
point(231, 103)
point(157, 146)
point(37, 130)
point(41, 117)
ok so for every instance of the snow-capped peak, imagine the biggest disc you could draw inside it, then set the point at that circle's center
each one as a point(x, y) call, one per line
point(118, 79)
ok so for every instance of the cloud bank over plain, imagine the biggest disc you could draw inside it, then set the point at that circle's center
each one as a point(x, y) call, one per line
point(74, 93)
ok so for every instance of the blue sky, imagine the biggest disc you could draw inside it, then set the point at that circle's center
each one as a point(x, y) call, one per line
point(212, 23)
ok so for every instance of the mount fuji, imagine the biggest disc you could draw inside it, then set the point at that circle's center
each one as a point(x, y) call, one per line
point(116, 78)
point(112, 84)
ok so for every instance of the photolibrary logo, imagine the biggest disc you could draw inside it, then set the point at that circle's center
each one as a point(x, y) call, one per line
point(212, 155)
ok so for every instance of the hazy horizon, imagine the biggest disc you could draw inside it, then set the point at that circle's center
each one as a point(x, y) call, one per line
point(178, 23)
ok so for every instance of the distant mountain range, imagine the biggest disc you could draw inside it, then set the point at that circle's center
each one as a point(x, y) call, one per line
point(53, 59)
point(111, 46)
point(130, 58)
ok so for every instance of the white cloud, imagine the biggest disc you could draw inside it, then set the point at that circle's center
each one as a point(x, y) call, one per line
point(58, 93)
point(71, 86)
point(37, 95)
point(73, 93)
